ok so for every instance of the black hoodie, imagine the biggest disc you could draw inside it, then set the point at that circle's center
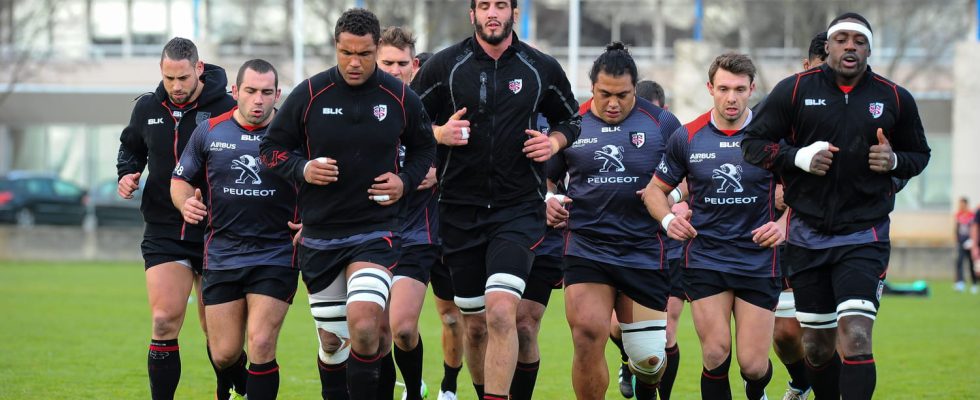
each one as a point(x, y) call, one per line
point(156, 135)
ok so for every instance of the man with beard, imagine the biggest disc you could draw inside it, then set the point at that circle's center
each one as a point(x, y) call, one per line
point(160, 126)
point(484, 95)
point(351, 118)
point(249, 278)
point(848, 131)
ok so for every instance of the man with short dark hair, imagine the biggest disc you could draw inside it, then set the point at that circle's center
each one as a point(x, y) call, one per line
point(485, 94)
point(351, 118)
point(848, 132)
point(161, 124)
point(249, 278)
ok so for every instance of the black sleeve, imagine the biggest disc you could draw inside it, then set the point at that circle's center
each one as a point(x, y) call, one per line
point(556, 167)
point(132, 148)
point(420, 145)
point(559, 105)
point(428, 84)
point(771, 123)
point(285, 135)
point(908, 141)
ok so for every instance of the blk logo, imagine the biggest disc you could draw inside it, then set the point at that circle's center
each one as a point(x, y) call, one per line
point(815, 102)
point(249, 167)
point(333, 111)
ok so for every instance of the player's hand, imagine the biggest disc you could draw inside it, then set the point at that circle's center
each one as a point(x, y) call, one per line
point(298, 227)
point(681, 208)
point(321, 171)
point(387, 189)
point(821, 161)
point(780, 198)
point(127, 185)
point(429, 181)
point(194, 209)
point(555, 211)
point(768, 235)
point(680, 228)
point(881, 157)
point(539, 147)
point(455, 132)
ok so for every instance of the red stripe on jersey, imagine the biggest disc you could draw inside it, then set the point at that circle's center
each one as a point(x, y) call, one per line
point(694, 126)
point(797, 85)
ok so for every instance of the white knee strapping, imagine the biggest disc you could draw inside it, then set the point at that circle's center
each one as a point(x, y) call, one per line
point(369, 284)
point(786, 308)
point(857, 307)
point(470, 305)
point(645, 339)
point(329, 309)
point(817, 321)
point(501, 282)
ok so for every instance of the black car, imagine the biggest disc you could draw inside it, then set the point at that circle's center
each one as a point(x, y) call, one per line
point(29, 198)
point(112, 210)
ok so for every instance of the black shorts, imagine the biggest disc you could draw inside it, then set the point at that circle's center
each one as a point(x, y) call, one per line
point(545, 276)
point(321, 267)
point(159, 250)
point(417, 262)
point(784, 273)
point(441, 281)
point(761, 292)
point(649, 288)
point(478, 242)
point(222, 286)
point(831, 276)
point(676, 266)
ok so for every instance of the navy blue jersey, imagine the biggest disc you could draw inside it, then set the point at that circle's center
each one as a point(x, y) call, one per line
point(802, 234)
point(248, 205)
point(553, 243)
point(607, 165)
point(728, 197)
point(420, 213)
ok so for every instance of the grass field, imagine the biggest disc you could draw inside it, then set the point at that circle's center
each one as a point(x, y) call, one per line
point(80, 331)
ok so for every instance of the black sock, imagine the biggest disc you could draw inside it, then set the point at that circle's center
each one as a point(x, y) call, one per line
point(714, 382)
point(857, 377)
point(645, 391)
point(797, 372)
point(410, 365)
point(449, 375)
point(756, 388)
point(525, 375)
point(163, 367)
point(333, 380)
point(363, 375)
point(223, 384)
point(670, 371)
point(619, 345)
point(235, 376)
point(488, 396)
point(825, 379)
point(386, 377)
point(263, 381)
point(479, 390)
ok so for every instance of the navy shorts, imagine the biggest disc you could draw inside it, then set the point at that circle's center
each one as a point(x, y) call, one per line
point(417, 262)
point(159, 250)
point(222, 286)
point(546, 275)
point(761, 292)
point(441, 281)
point(676, 266)
point(648, 287)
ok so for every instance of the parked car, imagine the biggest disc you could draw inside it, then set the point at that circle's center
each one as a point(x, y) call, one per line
point(30, 198)
point(112, 210)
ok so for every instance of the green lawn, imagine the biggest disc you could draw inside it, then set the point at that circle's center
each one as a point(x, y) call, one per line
point(81, 331)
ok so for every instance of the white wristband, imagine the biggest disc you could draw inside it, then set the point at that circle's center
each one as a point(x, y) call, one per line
point(895, 165)
point(665, 223)
point(676, 195)
point(804, 156)
point(548, 196)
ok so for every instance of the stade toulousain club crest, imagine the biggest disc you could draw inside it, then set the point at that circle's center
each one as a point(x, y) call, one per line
point(876, 109)
point(638, 139)
point(515, 85)
point(381, 111)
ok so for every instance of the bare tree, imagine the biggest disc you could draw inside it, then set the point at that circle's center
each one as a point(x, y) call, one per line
point(23, 50)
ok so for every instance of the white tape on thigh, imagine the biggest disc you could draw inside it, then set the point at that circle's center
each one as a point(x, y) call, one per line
point(817, 321)
point(501, 282)
point(857, 307)
point(470, 305)
point(645, 339)
point(786, 308)
point(369, 284)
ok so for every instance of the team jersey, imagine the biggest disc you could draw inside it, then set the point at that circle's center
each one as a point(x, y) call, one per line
point(728, 197)
point(248, 204)
point(606, 166)
point(553, 243)
point(420, 213)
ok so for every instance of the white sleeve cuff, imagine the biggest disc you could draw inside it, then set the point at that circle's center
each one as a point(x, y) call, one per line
point(804, 156)
point(665, 223)
point(895, 165)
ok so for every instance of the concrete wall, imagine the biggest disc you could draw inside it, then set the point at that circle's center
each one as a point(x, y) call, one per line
point(966, 121)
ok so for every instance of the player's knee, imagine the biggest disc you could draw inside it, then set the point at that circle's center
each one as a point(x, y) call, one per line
point(645, 342)
point(502, 318)
point(817, 352)
point(223, 359)
point(331, 322)
point(450, 319)
point(470, 305)
point(715, 353)
point(405, 334)
point(261, 346)
point(166, 323)
point(369, 285)
point(476, 329)
point(329, 341)
point(754, 367)
point(527, 328)
point(784, 338)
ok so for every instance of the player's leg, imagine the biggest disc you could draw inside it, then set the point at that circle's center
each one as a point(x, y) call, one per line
point(588, 308)
point(545, 275)
point(625, 375)
point(755, 299)
point(269, 295)
point(816, 311)
point(223, 294)
point(642, 311)
point(675, 305)
point(327, 288)
point(167, 284)
point(711, 311)
point(858, 280)
point(787, 340)
point(452, 330)
point(368, 288)
point(407, 295)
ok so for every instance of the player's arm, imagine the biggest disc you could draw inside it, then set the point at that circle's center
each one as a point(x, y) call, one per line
point(908, 141)
point(670, 172)
point(561, 110)
point(556, 170)
point(131, 158)
point(186, 198)
point(285, 135)
point(429, 83)
point(772, 233)
point(420, 151)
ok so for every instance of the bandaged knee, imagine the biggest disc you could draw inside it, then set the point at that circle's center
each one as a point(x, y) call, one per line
point(501, 282)
point(857, 307)
point(817, 321)
point(786, 308)
point(330, 315)
point(370, 285)
point(643, 340)
point(470, 305)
